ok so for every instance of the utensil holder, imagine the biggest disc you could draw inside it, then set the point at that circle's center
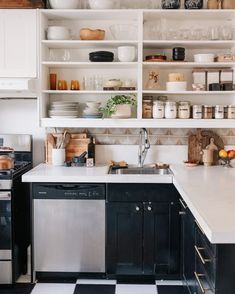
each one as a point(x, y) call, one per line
point(58, 157)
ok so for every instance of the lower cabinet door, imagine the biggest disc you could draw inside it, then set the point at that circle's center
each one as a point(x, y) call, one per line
point(161, 238)
point(124, 238)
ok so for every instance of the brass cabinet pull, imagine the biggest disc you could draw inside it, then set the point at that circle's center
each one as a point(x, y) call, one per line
point(199, 227)
point(197, 276)
point(203, 260)
point(183, 205)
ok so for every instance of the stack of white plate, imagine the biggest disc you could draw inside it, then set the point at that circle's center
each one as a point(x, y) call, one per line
point(63, 109)
point(92, 110)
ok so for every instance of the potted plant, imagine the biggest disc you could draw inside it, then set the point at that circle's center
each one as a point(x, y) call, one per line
point(119, 106)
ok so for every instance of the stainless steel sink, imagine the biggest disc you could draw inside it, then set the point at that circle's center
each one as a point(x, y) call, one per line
point(142, 171)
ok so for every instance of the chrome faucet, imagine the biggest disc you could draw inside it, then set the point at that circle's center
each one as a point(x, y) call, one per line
point(144, 146)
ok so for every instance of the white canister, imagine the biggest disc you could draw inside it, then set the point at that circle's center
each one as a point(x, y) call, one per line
point(170, 110)
point(126, 53)
point(158, 109)
point(219, 111)
point(58, 156)
point(231, 112)
point(197, 111)
point(184, 110)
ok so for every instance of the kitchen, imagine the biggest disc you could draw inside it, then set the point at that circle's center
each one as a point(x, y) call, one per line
point(112, 93)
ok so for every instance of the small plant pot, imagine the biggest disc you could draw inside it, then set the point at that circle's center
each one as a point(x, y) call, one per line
point(122, 111)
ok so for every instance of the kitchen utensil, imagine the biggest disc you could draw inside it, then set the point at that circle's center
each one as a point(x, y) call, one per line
point(126, 53)
point(193, 4)
point(64, 4)
point(124, 31)
point(58, 33)
point(89, 34)
point(67, 138)
point(170, 4)
point(51, 140)
point(104, 4)
point(204, 58)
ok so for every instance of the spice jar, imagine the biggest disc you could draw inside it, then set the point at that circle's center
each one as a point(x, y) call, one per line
point(170, 4)
point(197, 111)
point(207, 112)
point(147, 108)
point(158, 109)
point(184, 110)
point(170, 110)
point(231, 112)
point(219, 111)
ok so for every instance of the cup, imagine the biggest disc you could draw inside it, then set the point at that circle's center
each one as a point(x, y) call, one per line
point(53, 80)
point(126, 53)
point(58, 157)
point(207, 157)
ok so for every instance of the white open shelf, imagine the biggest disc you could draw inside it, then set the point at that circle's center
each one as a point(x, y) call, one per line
point(73, 64)
point(81, 92)
point(184, 64)
point(224, 93)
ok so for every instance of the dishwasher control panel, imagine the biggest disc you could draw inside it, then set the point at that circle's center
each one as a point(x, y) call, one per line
point(69, 191)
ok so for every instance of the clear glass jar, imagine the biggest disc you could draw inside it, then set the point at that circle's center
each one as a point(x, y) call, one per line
point(170, 110)
point(147, 108)
point(219, 112)
point(184, 110)
point(207, 111)
point(197, 111)
point(158, 109)
point(231, 112)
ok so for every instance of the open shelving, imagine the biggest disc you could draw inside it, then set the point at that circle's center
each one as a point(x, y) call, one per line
point(80, 66)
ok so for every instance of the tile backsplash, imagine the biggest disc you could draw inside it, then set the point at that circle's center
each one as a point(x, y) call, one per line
point(108, 136)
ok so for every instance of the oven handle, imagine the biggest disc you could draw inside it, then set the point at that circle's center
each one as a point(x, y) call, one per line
point(5, 196)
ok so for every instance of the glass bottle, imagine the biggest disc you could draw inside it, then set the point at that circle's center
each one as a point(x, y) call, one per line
point(91, 149)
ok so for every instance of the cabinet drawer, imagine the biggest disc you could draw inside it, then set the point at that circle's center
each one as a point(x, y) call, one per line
point(201, 238)
point(204, 285)
point(142, 192)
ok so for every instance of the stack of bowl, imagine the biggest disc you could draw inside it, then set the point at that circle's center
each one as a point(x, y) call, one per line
point(92, 110)
point(178, 54)
point(101, 56)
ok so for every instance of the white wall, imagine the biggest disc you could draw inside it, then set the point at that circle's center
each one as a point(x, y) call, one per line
point(20, 117)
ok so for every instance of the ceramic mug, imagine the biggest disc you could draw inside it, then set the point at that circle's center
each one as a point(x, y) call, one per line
point(207, 157)
point(58, 157)
point(126, 53)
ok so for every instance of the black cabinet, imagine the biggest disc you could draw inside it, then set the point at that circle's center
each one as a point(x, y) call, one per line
point(143, 230)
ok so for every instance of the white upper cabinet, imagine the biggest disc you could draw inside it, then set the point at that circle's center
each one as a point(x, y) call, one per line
point(18, 43)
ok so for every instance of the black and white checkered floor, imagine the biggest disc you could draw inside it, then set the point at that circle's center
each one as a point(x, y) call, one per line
point(98, 287)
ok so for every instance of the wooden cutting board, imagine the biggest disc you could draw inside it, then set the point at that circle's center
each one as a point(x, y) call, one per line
point(22, 4)
point(197, 142)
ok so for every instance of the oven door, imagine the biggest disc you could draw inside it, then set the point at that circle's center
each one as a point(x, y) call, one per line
point(5, 238)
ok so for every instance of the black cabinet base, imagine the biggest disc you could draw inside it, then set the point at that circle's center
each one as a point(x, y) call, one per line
point(66, 277)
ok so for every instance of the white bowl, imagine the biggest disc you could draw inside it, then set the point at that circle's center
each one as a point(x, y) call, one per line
point(93, 104)
point(126, 53)
point(64, 4)
point(103, 4)
point(58, 33)
point(204, 58)
point(176, 86)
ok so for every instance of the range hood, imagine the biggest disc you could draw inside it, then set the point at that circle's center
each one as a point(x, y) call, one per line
point(18, 88)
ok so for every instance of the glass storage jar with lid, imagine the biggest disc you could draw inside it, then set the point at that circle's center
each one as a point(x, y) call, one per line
point(197, 111)
point(184, 109)
point(158, 109)
point(219, 111)
point(231, 112)
point(170, 110)
point(207, 111)
point(147, 107)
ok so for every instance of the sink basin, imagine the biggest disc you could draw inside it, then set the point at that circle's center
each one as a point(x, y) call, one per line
point(142, 171)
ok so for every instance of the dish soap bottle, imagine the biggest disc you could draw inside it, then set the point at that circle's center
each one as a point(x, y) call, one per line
point(91, 149)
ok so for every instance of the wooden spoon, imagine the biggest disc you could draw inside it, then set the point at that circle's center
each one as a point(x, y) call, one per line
point(51, 140)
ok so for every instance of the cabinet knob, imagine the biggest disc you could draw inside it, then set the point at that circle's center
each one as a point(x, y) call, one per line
point(149, 208)
point(137, 208)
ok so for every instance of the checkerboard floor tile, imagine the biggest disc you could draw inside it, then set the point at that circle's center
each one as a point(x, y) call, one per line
point(97, 287)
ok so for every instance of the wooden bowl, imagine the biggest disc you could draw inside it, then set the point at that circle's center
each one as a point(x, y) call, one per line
point(89, 34)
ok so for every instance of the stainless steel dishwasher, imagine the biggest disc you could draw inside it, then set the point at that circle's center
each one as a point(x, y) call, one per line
point(69, 228)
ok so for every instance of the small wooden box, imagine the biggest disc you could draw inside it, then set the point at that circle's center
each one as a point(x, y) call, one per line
point(22, 4)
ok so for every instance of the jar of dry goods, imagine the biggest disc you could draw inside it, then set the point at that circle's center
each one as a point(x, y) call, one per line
point(147, 108)
point(231, 112)
point(197, 111)
point(158, 109)
point(207, 111)
point(184, 109)
point(219, 111)
point(170, 110)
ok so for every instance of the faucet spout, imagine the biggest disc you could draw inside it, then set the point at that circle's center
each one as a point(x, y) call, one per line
point(144, 146)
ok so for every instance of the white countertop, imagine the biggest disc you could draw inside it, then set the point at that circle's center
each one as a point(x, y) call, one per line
point(208, 192)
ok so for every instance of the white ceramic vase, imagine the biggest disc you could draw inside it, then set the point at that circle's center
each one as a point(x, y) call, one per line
point(122, 111)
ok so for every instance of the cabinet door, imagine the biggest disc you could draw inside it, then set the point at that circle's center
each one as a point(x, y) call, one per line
point(161, 238)
point(188, 242)
point(19, 44)
point(124, 238)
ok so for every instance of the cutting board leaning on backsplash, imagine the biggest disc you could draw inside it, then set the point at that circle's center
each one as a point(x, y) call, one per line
point(197, 142)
